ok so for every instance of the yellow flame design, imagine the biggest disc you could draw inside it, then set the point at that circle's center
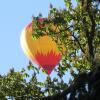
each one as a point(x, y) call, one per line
point(44, 45)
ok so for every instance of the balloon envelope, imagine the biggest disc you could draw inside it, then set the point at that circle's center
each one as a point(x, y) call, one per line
point(43, 51)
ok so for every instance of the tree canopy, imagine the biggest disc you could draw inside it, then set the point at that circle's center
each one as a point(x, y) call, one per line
point(76, 30)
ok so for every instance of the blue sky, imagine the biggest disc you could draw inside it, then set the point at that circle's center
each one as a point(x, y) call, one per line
point(14, 15)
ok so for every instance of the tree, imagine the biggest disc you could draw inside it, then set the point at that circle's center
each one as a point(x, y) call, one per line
point(76, 30)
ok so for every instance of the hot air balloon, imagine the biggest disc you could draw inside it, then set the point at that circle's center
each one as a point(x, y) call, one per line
point(42, 51)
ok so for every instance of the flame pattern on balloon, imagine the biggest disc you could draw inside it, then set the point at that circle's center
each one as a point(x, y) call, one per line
point(43, 51)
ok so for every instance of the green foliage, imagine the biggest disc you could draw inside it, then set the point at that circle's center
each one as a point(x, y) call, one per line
point(78, 30)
